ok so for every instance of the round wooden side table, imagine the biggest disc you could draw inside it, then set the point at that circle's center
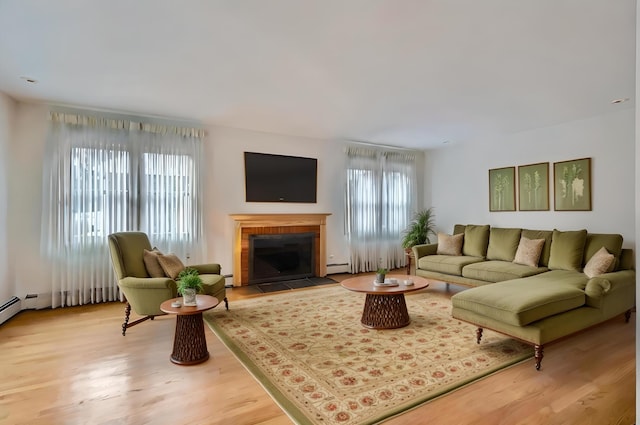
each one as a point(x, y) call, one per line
point(384, 306)
point(189, 343)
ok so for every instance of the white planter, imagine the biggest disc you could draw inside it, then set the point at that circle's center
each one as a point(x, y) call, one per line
point(189, 297)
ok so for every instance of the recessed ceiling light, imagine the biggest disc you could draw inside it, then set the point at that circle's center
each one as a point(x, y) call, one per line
point(30, 80)
point(621, 100)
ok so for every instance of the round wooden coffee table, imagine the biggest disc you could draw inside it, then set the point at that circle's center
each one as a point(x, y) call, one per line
point(189, 343)
point(384, 306)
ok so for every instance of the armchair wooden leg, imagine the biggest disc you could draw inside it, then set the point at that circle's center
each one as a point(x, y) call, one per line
point(127, 312)
point(226, 303)
point(478, 335)
point(627, 316)
point(126, 325)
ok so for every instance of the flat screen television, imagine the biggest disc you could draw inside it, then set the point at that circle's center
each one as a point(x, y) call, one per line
point(280, 178)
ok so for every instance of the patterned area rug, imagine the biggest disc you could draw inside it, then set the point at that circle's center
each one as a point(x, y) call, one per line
point(309, 351)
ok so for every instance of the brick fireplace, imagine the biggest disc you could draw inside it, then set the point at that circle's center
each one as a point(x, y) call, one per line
point(247, 225)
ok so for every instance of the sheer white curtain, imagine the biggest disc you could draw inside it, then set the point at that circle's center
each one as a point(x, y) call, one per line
point(103, 175)
point(380, 200)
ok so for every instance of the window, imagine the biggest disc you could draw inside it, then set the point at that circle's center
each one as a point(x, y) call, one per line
point(380, 199)
point(168, 196)
point(99, 178)
point(105, 175)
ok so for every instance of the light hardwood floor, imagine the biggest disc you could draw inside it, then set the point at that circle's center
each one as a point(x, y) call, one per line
point(73, 366)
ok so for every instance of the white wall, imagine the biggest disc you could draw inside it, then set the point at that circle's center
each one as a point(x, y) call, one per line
point(460, 180)
point(25, 200)
point(7, 113)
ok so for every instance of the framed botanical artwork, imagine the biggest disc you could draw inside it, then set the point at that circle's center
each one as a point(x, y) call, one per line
point(572, 185)
point(533, 187)
point(502, 189)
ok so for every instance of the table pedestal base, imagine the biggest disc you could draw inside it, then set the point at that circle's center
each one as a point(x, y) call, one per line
point(385, 312)
point(189, 343)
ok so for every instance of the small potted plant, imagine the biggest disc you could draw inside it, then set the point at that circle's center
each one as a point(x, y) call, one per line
point(188, 285)
point(380, 274)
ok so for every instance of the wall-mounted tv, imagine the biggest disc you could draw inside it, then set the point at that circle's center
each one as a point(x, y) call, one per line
point(280, 178)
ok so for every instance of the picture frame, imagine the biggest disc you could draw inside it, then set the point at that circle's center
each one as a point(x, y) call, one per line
point(572, 185)
point(502, 189)
point(533, 187)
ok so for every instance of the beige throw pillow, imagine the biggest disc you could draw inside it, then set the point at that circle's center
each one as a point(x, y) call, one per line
point(599, 263)
point(450, 245)
point(152, 264)
point(528, 252)
point(171, 265)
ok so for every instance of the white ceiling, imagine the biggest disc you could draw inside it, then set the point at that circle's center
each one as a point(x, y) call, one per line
point(411, 73)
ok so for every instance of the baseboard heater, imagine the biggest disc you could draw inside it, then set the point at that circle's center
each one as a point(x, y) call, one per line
point(337, 268)
point(9, 309)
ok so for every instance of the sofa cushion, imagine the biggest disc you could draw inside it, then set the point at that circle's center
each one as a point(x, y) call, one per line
point(567, 249)
point(458, 228)
point(610, 241)
point(171, 265)
point(599, 263)
point(523, 301)
point(529, 251)
point(447, 264)
point(547, 235)
point(503, 243)
point(450, 245)
point(152, 264)
point(476, 239)
point(498, 271)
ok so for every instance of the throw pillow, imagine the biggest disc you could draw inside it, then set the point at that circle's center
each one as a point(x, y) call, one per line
point(450, 245)
point(152, 264)
point(171, 265)
point(567, 249)
point(611, 242)
point(476, 239)
point(599, 263)
point(528, 252)
point(547, 235)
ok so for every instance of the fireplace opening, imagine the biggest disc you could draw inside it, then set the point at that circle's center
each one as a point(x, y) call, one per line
point(281, 257)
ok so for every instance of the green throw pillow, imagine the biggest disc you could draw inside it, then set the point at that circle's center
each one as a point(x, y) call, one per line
point(503, 244)
point(476, 239)
point(567, 249)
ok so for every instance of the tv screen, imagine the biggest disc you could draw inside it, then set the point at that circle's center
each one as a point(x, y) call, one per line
point(280, 178)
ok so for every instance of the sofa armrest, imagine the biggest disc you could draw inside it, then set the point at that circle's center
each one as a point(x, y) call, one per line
point(211, 268)
point(147, 283)
point(599, 286)
point(420, 251)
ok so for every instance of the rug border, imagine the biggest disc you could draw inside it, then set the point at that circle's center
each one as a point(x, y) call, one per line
point(298, 416)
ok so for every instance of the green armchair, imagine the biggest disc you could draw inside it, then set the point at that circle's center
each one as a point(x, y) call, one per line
point(143, 293)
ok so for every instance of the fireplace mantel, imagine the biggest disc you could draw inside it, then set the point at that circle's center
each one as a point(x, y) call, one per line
point(246, 224)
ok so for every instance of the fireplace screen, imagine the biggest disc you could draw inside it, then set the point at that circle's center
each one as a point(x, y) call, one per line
point(281, 257)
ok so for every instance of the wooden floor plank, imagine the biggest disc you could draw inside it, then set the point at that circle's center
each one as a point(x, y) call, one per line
point(73, 366)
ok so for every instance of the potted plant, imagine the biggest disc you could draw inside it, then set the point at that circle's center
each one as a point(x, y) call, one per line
point(418, 231)
point(380, 274)
point(188, 285)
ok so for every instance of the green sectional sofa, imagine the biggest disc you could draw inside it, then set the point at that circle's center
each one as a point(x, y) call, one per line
point(533, 285)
